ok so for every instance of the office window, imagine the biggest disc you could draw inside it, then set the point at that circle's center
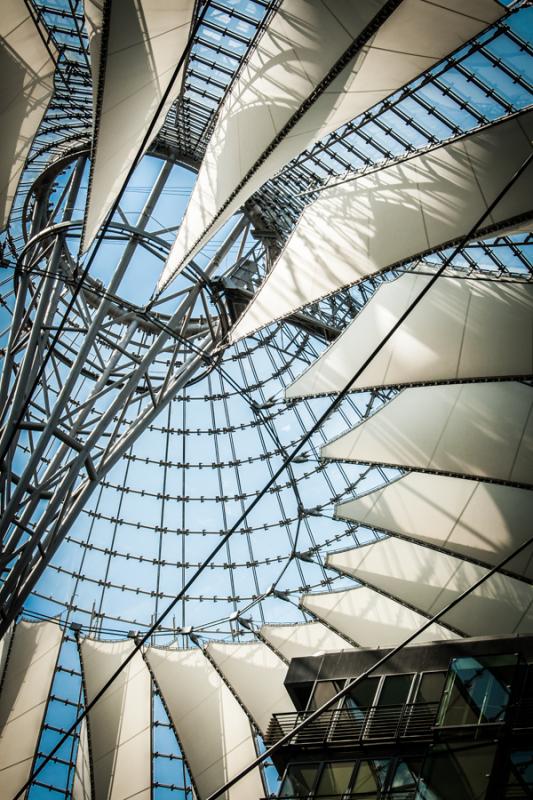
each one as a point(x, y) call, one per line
point(335, 779)
point(395, 690)
point(520, 775)
point(370, 778)
point(431, 687)
point(361, 696)
point(456, 772)
point(477, 691)
point(405, 776)
point(299, 780)
point(323, 691)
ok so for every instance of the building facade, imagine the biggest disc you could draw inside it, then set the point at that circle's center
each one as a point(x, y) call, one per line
point(439, 721)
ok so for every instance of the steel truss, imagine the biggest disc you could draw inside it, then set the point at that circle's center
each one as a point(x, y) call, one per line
point(64, 412)
point(408, 120)
point(68, 413)
point(71, 409)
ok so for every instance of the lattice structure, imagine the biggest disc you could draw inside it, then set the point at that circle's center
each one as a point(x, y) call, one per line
point(133, 435)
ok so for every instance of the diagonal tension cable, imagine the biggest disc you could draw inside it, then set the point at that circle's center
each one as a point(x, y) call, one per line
point(355, 681)
point(286, 462)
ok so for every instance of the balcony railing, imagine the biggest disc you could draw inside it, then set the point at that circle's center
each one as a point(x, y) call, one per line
point(347, 726)
point(352, 726)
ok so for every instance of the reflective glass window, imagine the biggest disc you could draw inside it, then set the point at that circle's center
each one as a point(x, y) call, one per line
point(370, 778)
point(361, 696)
point(324, 691)
point(299, 780)
point(395, 690)
point(458, 772)
point(477, 690)
point(520, 776)
point(430, 687)
point(383, 720)
point(301, 695)
point(335, 779)
point(405, 775)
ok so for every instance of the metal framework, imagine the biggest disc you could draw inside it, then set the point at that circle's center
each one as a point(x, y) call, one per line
point(133, 440)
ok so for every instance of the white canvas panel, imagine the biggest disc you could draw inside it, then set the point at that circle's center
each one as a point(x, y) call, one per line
point(371, 223)
point(428, 580)
point(303, 40)
point(461, 329)
point(472, 519)
point(120, 723)
point(26, 686)
point(213, 730)
point(404, 46)
point(81, 785)
point(482, 430)
point(5, 642)
point(145, 41)
point(94, 18)
point(280, 76)
point(256, 675)
point(369, 618)
point(304, 639)
point(26, 88)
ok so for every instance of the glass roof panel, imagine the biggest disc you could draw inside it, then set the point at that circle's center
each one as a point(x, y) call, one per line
point(163, 504)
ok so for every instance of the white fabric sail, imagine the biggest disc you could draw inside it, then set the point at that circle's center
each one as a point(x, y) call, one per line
point(461, 330)
point(482, 430)
point(303, 639)
point(5, 643)
point(213, 730)
point(394, 214)
point(26, 687)
point(256, 675)
point(428, 580)
point(389, 49)
point(26, 87)
point(119, 725)
point(82, 783)
point(143, 41)
point(369, 618)
point(471, 519)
